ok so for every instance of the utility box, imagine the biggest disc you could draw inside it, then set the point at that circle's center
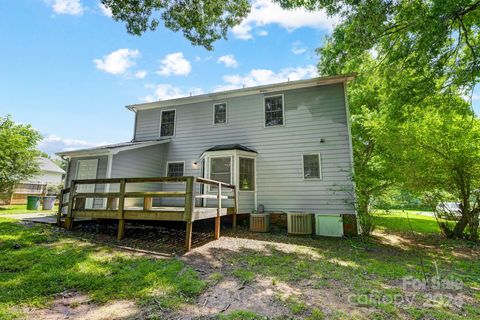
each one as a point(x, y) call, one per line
point(329, 225)
point(299, 223)
point(259, 222)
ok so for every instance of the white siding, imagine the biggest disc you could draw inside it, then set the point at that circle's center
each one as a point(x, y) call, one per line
point(310, 115)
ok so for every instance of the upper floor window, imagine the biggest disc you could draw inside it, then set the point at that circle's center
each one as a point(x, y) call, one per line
point(274, 111)
point(167, 123)
point(220, 113)
point(312, 166)
point(175, 169)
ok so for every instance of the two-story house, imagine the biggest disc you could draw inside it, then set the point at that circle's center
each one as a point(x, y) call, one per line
point(286, 146)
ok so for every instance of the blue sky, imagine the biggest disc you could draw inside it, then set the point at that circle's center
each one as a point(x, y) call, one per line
point(68, 69)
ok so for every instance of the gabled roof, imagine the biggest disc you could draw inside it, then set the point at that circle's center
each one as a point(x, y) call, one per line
point(112, 148)
point(48, 165)
point(269, 88)
point(224, 147)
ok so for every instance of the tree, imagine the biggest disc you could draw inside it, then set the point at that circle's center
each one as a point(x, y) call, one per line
point(419, 35)
point(17, 154)
point(438, 152)
point(202, 22)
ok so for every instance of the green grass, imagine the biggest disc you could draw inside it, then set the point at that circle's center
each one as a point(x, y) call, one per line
point(370, 268)
point(22, 208)
point(398, 221)
point(36, 264)
point(241, 315)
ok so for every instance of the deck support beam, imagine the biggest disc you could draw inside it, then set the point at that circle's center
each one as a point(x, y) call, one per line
point(121, 212)
point(188, 236)
point(188, 212)
point(69, 218)
point(219, 212)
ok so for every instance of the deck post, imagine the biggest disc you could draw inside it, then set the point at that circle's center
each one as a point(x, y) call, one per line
point(121, 212)
point(147, 203)
point(219, 212)
point(188, 212)
point(235, 207)
point(111, 203)
point(69, 219)
point(59, 211)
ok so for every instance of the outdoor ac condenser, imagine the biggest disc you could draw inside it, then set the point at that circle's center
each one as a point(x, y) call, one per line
point(299, 223)
point(259, 222)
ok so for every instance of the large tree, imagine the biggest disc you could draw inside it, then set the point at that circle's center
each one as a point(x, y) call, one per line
point(17, 154)
point(202, 22)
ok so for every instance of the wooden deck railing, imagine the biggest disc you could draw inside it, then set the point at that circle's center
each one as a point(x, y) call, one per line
point(77, 201)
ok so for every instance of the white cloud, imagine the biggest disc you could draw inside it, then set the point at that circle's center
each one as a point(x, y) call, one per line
point(73, 7)
point(53, 143)
point(118, 62)
point(105, 10)
point(175, 64)
point(297, 48)
point(475, 97)
point(140, 74)
point(262, 33)
point(265, 76)
point(228, 60)
point(167, 91)
point(265, 12)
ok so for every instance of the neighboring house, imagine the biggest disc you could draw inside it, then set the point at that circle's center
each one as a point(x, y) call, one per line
point(286, 146)
point(50, 174)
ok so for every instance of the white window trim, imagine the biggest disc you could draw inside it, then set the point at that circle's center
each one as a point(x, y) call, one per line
point(319, 166)
point(226, 113)
point(169, 162)
point(254, 173)
point(174, 123)
point(283, 110)
point(231, 168)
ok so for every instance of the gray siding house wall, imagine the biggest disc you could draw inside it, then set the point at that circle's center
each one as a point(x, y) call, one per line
point(315, 122)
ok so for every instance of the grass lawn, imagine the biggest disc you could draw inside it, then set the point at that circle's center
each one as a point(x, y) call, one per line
point(275, 276)
point(22, 208)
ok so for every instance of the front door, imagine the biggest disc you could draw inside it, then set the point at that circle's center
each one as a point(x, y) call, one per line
point(87, 169)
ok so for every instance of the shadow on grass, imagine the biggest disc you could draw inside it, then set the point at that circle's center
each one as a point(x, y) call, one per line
point(37, 264)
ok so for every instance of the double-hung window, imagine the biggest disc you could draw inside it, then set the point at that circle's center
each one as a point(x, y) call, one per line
point(220, 113)
point(175, 169)
point(312, 166)
point(274, 111)
point(167, 123)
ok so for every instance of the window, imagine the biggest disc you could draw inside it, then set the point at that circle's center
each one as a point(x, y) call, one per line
point(175, 169)
point(220, 169)
point(311, 166)
point(167, 123)
point(247, 174)
point(274, 111)
point(219, 113)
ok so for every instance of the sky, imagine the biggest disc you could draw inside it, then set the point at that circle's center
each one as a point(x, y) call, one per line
point(68, 69)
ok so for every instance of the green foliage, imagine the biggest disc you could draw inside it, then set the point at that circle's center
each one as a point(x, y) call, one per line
point(202, 22)
point(37, 263)
point(241, 315)
point(17, 153)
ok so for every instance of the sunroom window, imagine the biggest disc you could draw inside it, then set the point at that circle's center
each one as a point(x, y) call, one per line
point(274, 111)
point(220, 113)
point(311, 166)
point(167, 123)
point(220, 169)
point(247, 174)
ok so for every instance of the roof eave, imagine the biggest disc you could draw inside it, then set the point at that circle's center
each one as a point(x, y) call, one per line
point(319, 81)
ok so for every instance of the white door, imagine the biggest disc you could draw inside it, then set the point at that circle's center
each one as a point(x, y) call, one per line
point(87, 169)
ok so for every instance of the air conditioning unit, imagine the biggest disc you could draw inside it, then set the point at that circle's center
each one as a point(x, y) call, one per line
point(329, 225)
point(299, 223)
point(259, 222)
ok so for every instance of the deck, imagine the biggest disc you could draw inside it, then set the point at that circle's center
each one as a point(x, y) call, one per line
point(75, 203)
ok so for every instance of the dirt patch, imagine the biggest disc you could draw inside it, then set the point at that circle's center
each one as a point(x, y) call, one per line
point(74, 305)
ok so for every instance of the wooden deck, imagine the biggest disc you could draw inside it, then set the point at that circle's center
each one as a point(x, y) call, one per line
point(116, 209)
